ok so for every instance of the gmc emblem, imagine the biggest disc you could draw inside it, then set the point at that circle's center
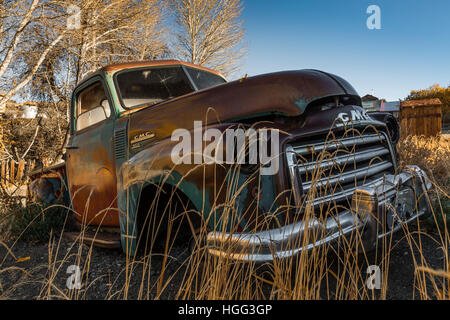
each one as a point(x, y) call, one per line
point(354, 115)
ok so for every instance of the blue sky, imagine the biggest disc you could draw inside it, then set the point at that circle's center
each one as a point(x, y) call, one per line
point(411, 51)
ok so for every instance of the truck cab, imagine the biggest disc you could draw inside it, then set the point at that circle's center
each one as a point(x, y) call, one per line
point(100, 111)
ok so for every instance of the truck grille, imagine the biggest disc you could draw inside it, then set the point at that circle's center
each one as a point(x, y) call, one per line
point(325, 173)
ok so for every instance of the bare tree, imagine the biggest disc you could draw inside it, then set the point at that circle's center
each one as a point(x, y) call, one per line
point(42, 58)
point(110, 32)
point(210, 33)
point(18, 18)
point(36, 44)
point(117, 31)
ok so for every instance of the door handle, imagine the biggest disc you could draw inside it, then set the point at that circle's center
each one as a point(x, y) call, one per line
point(71, 147)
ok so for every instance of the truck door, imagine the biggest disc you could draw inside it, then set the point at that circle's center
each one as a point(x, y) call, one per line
point(90, 158)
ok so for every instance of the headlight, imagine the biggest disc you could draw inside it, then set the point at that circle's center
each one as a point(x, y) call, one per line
point(364, 204)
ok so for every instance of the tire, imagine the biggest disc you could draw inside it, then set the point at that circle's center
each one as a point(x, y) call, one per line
point(166, 221)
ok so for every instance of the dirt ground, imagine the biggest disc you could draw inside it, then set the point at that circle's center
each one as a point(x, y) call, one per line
point(26, 275)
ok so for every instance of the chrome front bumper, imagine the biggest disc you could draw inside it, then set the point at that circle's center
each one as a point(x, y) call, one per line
point(377, 211)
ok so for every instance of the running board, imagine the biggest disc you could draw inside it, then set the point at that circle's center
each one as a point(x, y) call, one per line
point(97, 239)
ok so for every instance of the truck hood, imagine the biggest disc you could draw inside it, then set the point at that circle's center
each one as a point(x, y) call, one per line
point(285, 93)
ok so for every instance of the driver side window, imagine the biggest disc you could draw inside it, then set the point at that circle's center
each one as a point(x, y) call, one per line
point(92, 106)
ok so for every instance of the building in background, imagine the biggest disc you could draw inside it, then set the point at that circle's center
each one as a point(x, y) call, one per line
point(391, 107)
point(371, 103)
point(28, 110)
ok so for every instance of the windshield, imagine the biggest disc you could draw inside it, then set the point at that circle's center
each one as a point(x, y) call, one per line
point(150, 86)
point(204, 79)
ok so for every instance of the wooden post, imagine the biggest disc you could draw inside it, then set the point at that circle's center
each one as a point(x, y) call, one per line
point(3, 174)
point(6, 174)
point(20, 170)
point(11, 173)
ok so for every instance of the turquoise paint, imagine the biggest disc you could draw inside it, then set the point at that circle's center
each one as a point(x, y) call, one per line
point(128, 225)
point(198, 197)
point(128, 204)
point(112, 89)
point(302, 104)
point(236, 184)
point(266, 205)
point(268, 190)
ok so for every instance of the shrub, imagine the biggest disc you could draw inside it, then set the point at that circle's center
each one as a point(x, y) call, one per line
point(35, 222)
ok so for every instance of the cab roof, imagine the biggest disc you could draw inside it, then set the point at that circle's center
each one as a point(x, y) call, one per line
point(147, 63)
point(153, 63)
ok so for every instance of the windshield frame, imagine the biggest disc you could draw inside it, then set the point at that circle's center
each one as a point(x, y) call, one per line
point(180, 66)
point(186, 71)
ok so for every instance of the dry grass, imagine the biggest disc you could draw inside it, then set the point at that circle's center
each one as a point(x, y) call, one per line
point(431, 154)
point(310, 275)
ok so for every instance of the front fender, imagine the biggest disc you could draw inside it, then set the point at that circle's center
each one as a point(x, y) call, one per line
point(207, 186)
point(391, 124)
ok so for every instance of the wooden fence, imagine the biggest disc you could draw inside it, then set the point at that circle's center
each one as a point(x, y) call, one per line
point(421, 117)
point(13, 173)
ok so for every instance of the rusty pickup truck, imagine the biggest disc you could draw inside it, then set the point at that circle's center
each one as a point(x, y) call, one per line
point(337, 172)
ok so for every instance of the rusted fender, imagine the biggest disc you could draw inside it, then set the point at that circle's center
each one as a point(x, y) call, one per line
point(154, 165)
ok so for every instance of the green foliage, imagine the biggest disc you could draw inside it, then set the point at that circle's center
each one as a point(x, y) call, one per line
point(35, 222)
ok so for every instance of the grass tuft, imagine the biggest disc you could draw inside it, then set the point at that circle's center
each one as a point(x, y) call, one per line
point(35, 222)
